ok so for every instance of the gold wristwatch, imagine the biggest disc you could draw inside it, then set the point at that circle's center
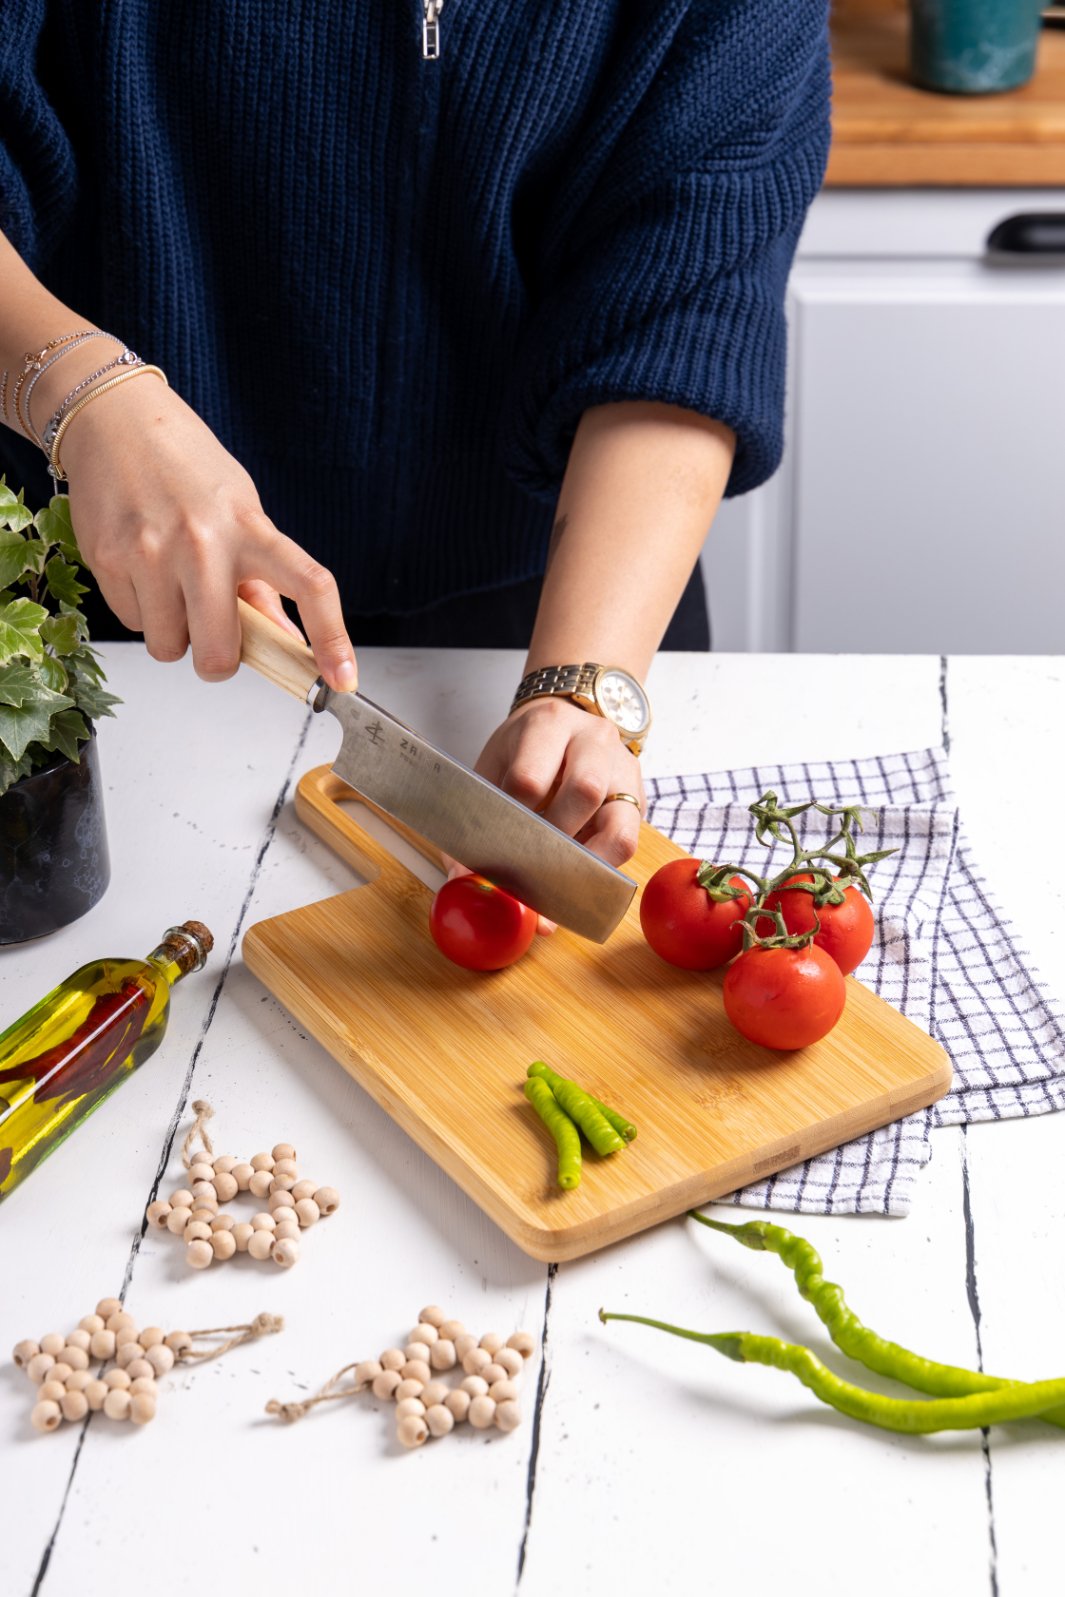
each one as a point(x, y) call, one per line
point(604, 690)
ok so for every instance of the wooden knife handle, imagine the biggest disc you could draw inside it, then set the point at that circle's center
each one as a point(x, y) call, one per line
point(276, 655)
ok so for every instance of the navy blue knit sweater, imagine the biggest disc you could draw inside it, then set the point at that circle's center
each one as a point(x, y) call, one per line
point(391, 285)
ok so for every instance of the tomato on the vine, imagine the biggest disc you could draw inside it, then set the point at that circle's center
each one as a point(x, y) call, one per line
point(684, 925)
point(478, 926)
point(846, 930)
point(784, 997)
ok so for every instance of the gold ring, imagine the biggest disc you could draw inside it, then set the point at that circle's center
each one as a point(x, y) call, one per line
point(630, 798)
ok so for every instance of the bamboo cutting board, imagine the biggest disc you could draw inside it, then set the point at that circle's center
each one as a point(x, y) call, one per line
point(444, 1051)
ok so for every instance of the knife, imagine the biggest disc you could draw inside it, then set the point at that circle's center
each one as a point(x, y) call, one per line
point(441, 799)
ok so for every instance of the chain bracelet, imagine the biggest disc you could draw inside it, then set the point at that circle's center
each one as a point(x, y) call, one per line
point(26, 412)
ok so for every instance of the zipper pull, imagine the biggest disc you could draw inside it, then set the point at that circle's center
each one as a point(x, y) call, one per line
point(431, 30)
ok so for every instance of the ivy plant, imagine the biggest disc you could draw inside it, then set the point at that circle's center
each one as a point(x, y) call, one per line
point(51, 680)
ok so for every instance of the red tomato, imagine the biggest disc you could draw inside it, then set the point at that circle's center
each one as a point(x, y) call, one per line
point(682, 922)
point(846, 929)
point(784, 997)
point(479, 926)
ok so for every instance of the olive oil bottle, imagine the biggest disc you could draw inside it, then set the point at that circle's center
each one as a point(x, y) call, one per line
point(74, 1047)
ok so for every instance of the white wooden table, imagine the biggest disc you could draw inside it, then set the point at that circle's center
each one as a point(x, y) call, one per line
point(646, 1465)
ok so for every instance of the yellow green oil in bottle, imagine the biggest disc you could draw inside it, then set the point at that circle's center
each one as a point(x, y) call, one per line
point(65, 1055)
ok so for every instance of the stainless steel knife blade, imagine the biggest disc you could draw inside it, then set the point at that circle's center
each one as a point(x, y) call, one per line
point(474, 821)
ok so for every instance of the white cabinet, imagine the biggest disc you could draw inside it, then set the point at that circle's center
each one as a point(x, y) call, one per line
point(920, 506)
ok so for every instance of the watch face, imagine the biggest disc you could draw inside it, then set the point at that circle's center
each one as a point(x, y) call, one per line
point(623, 701)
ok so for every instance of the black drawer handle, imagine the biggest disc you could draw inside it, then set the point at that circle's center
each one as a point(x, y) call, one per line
point(1029, 233)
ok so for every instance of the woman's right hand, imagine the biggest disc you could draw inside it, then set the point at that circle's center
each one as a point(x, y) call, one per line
point(172, 529)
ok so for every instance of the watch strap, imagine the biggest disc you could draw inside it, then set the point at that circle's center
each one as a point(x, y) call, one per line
point(567, 681)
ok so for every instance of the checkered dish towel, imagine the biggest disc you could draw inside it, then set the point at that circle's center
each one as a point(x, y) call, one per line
point(943, 954)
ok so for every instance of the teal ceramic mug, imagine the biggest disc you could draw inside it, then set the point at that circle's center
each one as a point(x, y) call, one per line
point(973, 46)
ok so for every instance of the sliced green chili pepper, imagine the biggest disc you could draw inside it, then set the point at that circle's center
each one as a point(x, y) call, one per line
point(913, 1416)
point(847, 1330)
point(623, 1127)
point(580, 1108)
point(561, 1127)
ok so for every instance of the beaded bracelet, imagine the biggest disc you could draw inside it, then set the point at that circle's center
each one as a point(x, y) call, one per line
point(32, 363)
point(45, 441)
point(54, 466)
point(26, 412)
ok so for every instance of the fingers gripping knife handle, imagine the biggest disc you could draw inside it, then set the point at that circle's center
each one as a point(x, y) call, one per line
point(281, 659)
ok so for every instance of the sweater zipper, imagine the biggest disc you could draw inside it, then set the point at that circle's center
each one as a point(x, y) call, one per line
point(431, 29)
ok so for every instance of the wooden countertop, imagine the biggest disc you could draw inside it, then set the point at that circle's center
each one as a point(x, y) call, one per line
point(890, 134)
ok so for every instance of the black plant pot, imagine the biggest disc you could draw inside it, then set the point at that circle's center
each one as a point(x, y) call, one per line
point(54, 863)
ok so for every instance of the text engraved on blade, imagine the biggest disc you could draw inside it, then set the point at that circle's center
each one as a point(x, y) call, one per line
point(375, 732)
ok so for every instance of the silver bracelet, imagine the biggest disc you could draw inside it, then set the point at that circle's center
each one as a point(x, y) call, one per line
point(40, 371)
point(127, 358)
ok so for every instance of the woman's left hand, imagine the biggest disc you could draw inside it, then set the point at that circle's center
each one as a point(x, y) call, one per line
point(565, 763)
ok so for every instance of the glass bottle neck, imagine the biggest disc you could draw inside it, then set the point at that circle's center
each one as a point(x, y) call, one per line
point(183, 949)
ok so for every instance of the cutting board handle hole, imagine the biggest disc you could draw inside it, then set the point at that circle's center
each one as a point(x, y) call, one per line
point(375, 826)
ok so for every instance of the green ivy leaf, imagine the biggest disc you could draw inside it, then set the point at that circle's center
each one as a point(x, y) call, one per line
point(67, 730)
point(30, 721)
point(12, 770)
point(13, 513)
point(63, 584)
point(54, 674)
point(94, 700)
point(19, 555)
point(84, 662)
point(18, 683)
point(61, 634)
point(20, 623)
point(54, 526)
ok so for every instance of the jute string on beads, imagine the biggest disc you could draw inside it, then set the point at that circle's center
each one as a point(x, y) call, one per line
point(262, 1325)
point(331, 1392)
point(203, 1112)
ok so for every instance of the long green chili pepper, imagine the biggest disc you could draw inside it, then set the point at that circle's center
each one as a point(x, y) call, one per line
point(580, 1108)
point(623, 1127)
point(847, 1330)
point(561, 1127)
point(913, 1416)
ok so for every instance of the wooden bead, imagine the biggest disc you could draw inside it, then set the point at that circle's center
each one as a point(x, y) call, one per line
point(53, 1343)
point(287, 1230)
point(279, 1200)
point(206, 1189)
point(494, 1372)
point(392, 1359)
point(285, 1212)
point(102, 1345)
point(442, 1355)
point(74, 1406)
point(136, 1369)
point(307, 1211)
point(408, 1387)
point(143, 1383)
point(124, 1334)
point(207, 1212)
point(197, 1231)
point(76, 1357)
point(223, 1245)
point(522, 1342)
point(474, 1386)
point(177, 1341)
point(286, 1167)
point(424, 1333)
point(79, 1338)
point(502, 1391)
point(476, 1360)
point(108, 1306)
point(259, 1185)
point(452, 1329)
point(51, 1391)
point(285, 1252)
point(260, 1244)
point(327, 1199)
point(40, 1367)
point(439, 1419)
point(242, 1174)
point(91, 1323)
point(415, 1350)
point(262, 1161)
point(367, 1372)
point(222, 1222)
point(78, 1380)
point(117, 1378)
point(384, 1385)
point(416, 1370)
point(435, 1392)
point(117, 1405)
point(181, 1199)
point(223, 1165)
point(25, 1351)
point(508, 1415)
point(95, 1393)
point(482, 1413)
point(412, 1430)
point(262, 1221)
point(177, 1220)
point(241, 1233)
point(161, 1358)
point(200, 1171)
point(198, 1254)
point(303, 1189)
point(457, 1402)
point(491, 1342)
point(433, 1315)
point(284, 1150)
point(225, 1187)
point(282, 1183)
point(60, 1371)
point(409, 1405)
point(158, 1213)
point(510, 1359)
point(141, 1408)
point(45, 1416)
point(462, 1344)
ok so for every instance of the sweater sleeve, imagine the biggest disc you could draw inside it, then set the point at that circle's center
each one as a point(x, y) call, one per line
point(37, 171)
point(665, 279)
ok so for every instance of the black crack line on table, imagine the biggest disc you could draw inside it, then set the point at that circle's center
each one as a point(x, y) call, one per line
point(175, 1119)
point(944, 725)
point(972, 1293)
point(534, 1443)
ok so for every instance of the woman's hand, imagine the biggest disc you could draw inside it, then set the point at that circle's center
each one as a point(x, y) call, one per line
point(172, 529)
